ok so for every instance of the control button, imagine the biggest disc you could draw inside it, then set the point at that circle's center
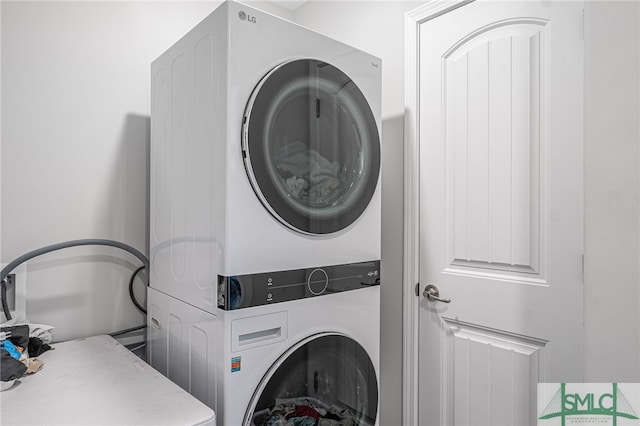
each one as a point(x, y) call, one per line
point(318, 281)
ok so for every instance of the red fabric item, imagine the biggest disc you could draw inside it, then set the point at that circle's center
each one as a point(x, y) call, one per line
point(302, 411)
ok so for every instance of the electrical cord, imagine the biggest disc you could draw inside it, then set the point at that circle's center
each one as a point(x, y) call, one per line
point(3, 297)
point(131, 295)
point(54, 247)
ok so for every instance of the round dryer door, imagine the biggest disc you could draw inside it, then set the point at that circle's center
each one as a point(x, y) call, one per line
point(311, 146)
point(328, 376)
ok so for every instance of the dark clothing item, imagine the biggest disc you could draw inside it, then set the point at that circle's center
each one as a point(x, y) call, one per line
point(331, 416)
point(10, 368)
point(36, 347)
point(19, 335)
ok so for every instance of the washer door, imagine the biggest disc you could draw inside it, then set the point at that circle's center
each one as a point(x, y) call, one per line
point(311, 146)
point(327, 376)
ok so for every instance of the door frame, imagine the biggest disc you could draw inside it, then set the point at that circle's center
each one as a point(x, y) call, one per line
point(411, 263)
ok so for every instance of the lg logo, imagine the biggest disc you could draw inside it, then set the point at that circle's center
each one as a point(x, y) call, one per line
point(244, 17)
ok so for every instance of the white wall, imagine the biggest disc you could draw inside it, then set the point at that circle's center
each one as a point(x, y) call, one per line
point(75, 142)
point(612, 190)
point(377, 27)
point(74, 160)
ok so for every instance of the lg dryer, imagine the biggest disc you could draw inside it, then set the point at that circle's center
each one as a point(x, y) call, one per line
point(265, 155)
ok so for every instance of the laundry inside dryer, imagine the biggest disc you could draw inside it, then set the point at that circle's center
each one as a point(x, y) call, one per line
point(326, 381)
point(311, 140)
point(315, 135)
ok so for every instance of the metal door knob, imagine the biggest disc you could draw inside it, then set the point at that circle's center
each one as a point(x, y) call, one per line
point(432, 293)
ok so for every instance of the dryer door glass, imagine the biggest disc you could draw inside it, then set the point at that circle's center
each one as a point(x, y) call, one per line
point(311, 146)
point(326, 377)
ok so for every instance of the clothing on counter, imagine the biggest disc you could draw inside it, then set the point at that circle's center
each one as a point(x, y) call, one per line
point(33, 365)
point(16, 351)
point(10, 368)
point(8, 346)
point(42, 332)
point(19, 334)
point(37, 347)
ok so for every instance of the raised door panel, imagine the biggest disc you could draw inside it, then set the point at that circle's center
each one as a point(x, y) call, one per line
point(489, 376)
point(494, 81)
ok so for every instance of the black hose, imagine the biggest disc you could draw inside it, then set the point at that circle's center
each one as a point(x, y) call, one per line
point(3, 297)
point(131, 295)
point(128, 330)
point(48, 249)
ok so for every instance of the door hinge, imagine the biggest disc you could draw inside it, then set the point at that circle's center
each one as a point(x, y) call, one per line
point(417, 289)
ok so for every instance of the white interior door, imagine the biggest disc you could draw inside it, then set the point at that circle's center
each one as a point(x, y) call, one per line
point(498, 141)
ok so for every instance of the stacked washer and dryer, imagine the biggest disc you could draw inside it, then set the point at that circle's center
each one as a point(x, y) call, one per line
point(265, 221)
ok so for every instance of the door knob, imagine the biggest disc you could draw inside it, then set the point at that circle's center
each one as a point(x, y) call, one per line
point(432, 293)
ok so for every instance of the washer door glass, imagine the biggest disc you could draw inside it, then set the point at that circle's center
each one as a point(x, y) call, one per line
point(311, 146)
point(326, 377)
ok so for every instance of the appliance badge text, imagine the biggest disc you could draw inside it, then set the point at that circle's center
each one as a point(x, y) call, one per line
point(244, 17)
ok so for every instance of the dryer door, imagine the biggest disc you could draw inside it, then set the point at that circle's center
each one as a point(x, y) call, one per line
point(311, 146)
point(327, 376)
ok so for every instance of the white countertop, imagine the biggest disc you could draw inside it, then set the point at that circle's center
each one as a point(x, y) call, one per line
point(97, 381)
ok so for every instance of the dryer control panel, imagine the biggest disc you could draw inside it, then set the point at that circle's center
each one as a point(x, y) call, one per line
point(244, 291)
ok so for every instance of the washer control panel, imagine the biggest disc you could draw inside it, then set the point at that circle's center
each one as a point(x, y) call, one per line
point(244, 291)
point(318, 281)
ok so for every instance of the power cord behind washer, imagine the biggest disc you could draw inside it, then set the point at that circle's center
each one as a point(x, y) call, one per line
point(54, 247)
